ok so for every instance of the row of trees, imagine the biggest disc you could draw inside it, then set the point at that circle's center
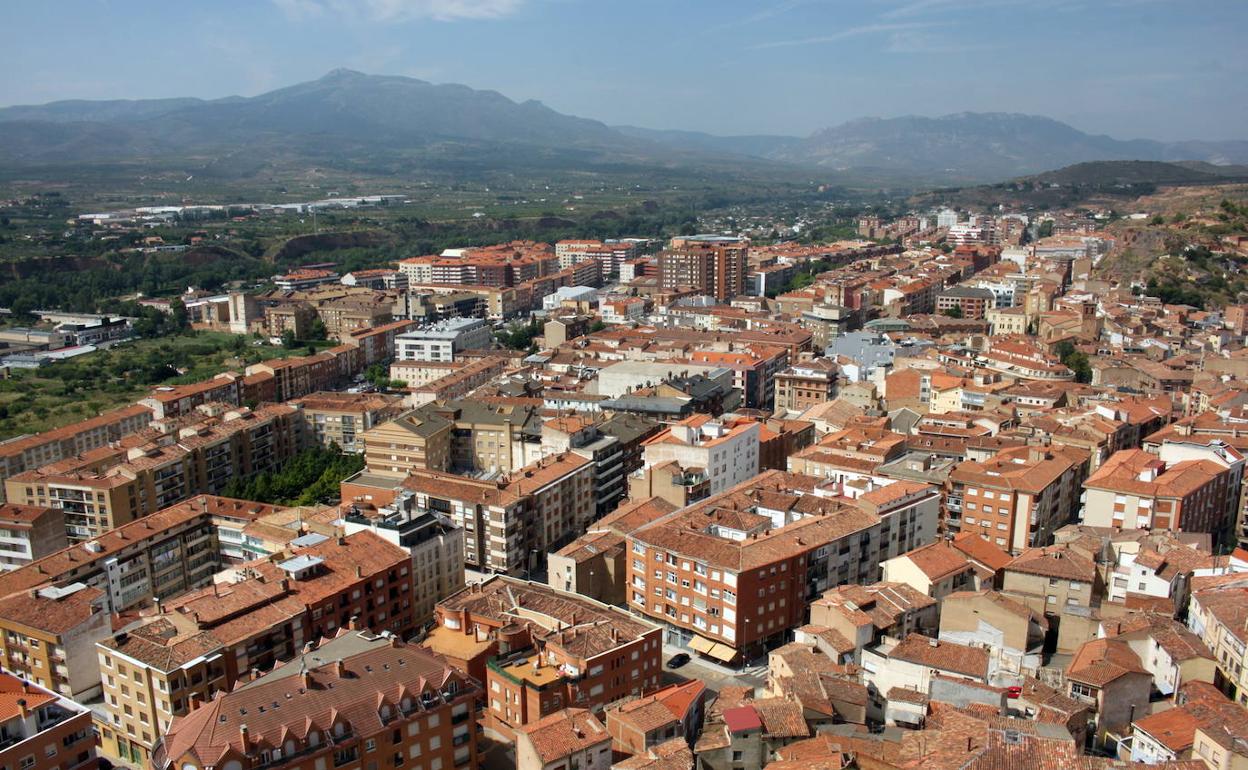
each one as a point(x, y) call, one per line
point(312, 477)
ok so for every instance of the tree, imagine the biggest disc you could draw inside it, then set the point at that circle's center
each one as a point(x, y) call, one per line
point(288, 339)
point(177, 310)
point(954, 312)
point(317, 330)
point(1075, 360)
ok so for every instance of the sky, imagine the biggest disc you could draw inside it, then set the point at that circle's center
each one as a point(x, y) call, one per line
point(1155, 69)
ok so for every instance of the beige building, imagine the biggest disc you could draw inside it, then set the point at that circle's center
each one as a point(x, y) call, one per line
point(1012, 632)
point(511, 522)
point(569, 738)
point(410, 442)
point(29, 532)
point(1051, 579)
point(341, 418)
point(47, 634)
point(862, 615)
point(670, 481)
point(179, 458)
point(29, 452)
point(936, 570)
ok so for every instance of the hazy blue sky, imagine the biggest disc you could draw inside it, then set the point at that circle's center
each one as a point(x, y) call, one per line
point(1161, 69)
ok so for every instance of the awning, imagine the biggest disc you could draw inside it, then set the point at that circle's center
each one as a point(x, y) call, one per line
point(701, 644)
point(722, 652)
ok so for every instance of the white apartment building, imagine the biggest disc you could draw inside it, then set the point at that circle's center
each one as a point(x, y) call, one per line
point(443, 340)
point(729, 455)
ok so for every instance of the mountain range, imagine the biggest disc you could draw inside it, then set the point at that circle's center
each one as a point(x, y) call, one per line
point(390, 124)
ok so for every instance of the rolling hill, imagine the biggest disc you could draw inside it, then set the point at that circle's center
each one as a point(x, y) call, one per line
point(384, 125)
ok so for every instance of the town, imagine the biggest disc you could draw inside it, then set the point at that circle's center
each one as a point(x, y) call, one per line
point(944, 494)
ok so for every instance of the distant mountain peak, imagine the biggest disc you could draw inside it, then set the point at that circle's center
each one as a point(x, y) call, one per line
point(343, 73)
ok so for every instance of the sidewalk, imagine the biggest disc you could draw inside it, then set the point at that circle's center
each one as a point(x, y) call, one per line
point(697, 661)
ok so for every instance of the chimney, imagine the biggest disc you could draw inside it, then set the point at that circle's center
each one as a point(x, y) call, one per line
point(340, 669)
point(242, 736)
point(354, 623)
point(359, 571)
point(195, 700)
point(21, 705)
point(342, 540)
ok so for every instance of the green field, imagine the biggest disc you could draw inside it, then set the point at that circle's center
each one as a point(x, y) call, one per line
point(34, 400)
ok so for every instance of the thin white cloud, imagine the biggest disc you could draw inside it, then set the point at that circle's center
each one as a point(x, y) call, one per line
point(846, 33)
point(400, 10)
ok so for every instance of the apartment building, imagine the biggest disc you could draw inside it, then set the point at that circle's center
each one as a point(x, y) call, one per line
point(731, 575)
point(204, 642)
point(29, 532)
point(29, 452)
point(595, 563)
point(610, 254)
point(512, 521)
point(411, 442)
point(1018, 497)
point(176, 400)
point(490, 437)
point(43, 730)
point(111, 486)
point(936, 569)
point(1187, 487)
point(539, 650)
point(581, 435)
point(1208, 428)
point(434, 541)
point(671, 482)
point(805, 384)
point(340, 418)
point(46, 636)
point(161, 555)
point(852, 454)
point(965, 302)
point(458, 382)
point(444, 340)
point(709, 264)
point(728, 455)
point(1216, 615)
point(754, 371)
point(357, 702)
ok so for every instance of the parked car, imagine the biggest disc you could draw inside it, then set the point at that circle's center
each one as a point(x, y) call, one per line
point(678, 660)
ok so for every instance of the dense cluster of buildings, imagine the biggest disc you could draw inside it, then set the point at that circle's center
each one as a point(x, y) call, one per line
point(949, 501)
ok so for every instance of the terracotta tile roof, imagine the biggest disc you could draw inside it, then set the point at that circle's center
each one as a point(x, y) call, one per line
point(564, 733)
point(946, 656)
point(1054, 561)
point(388, 674)
point(581, 626)
point(690, 531)
point(980, 550)
point(1100, 661)
point(674, 754)
point(1122, 471)
point(13, 689)
point(1174, 728)
point(781, 718)
point(53, 615)
point(939, 560)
